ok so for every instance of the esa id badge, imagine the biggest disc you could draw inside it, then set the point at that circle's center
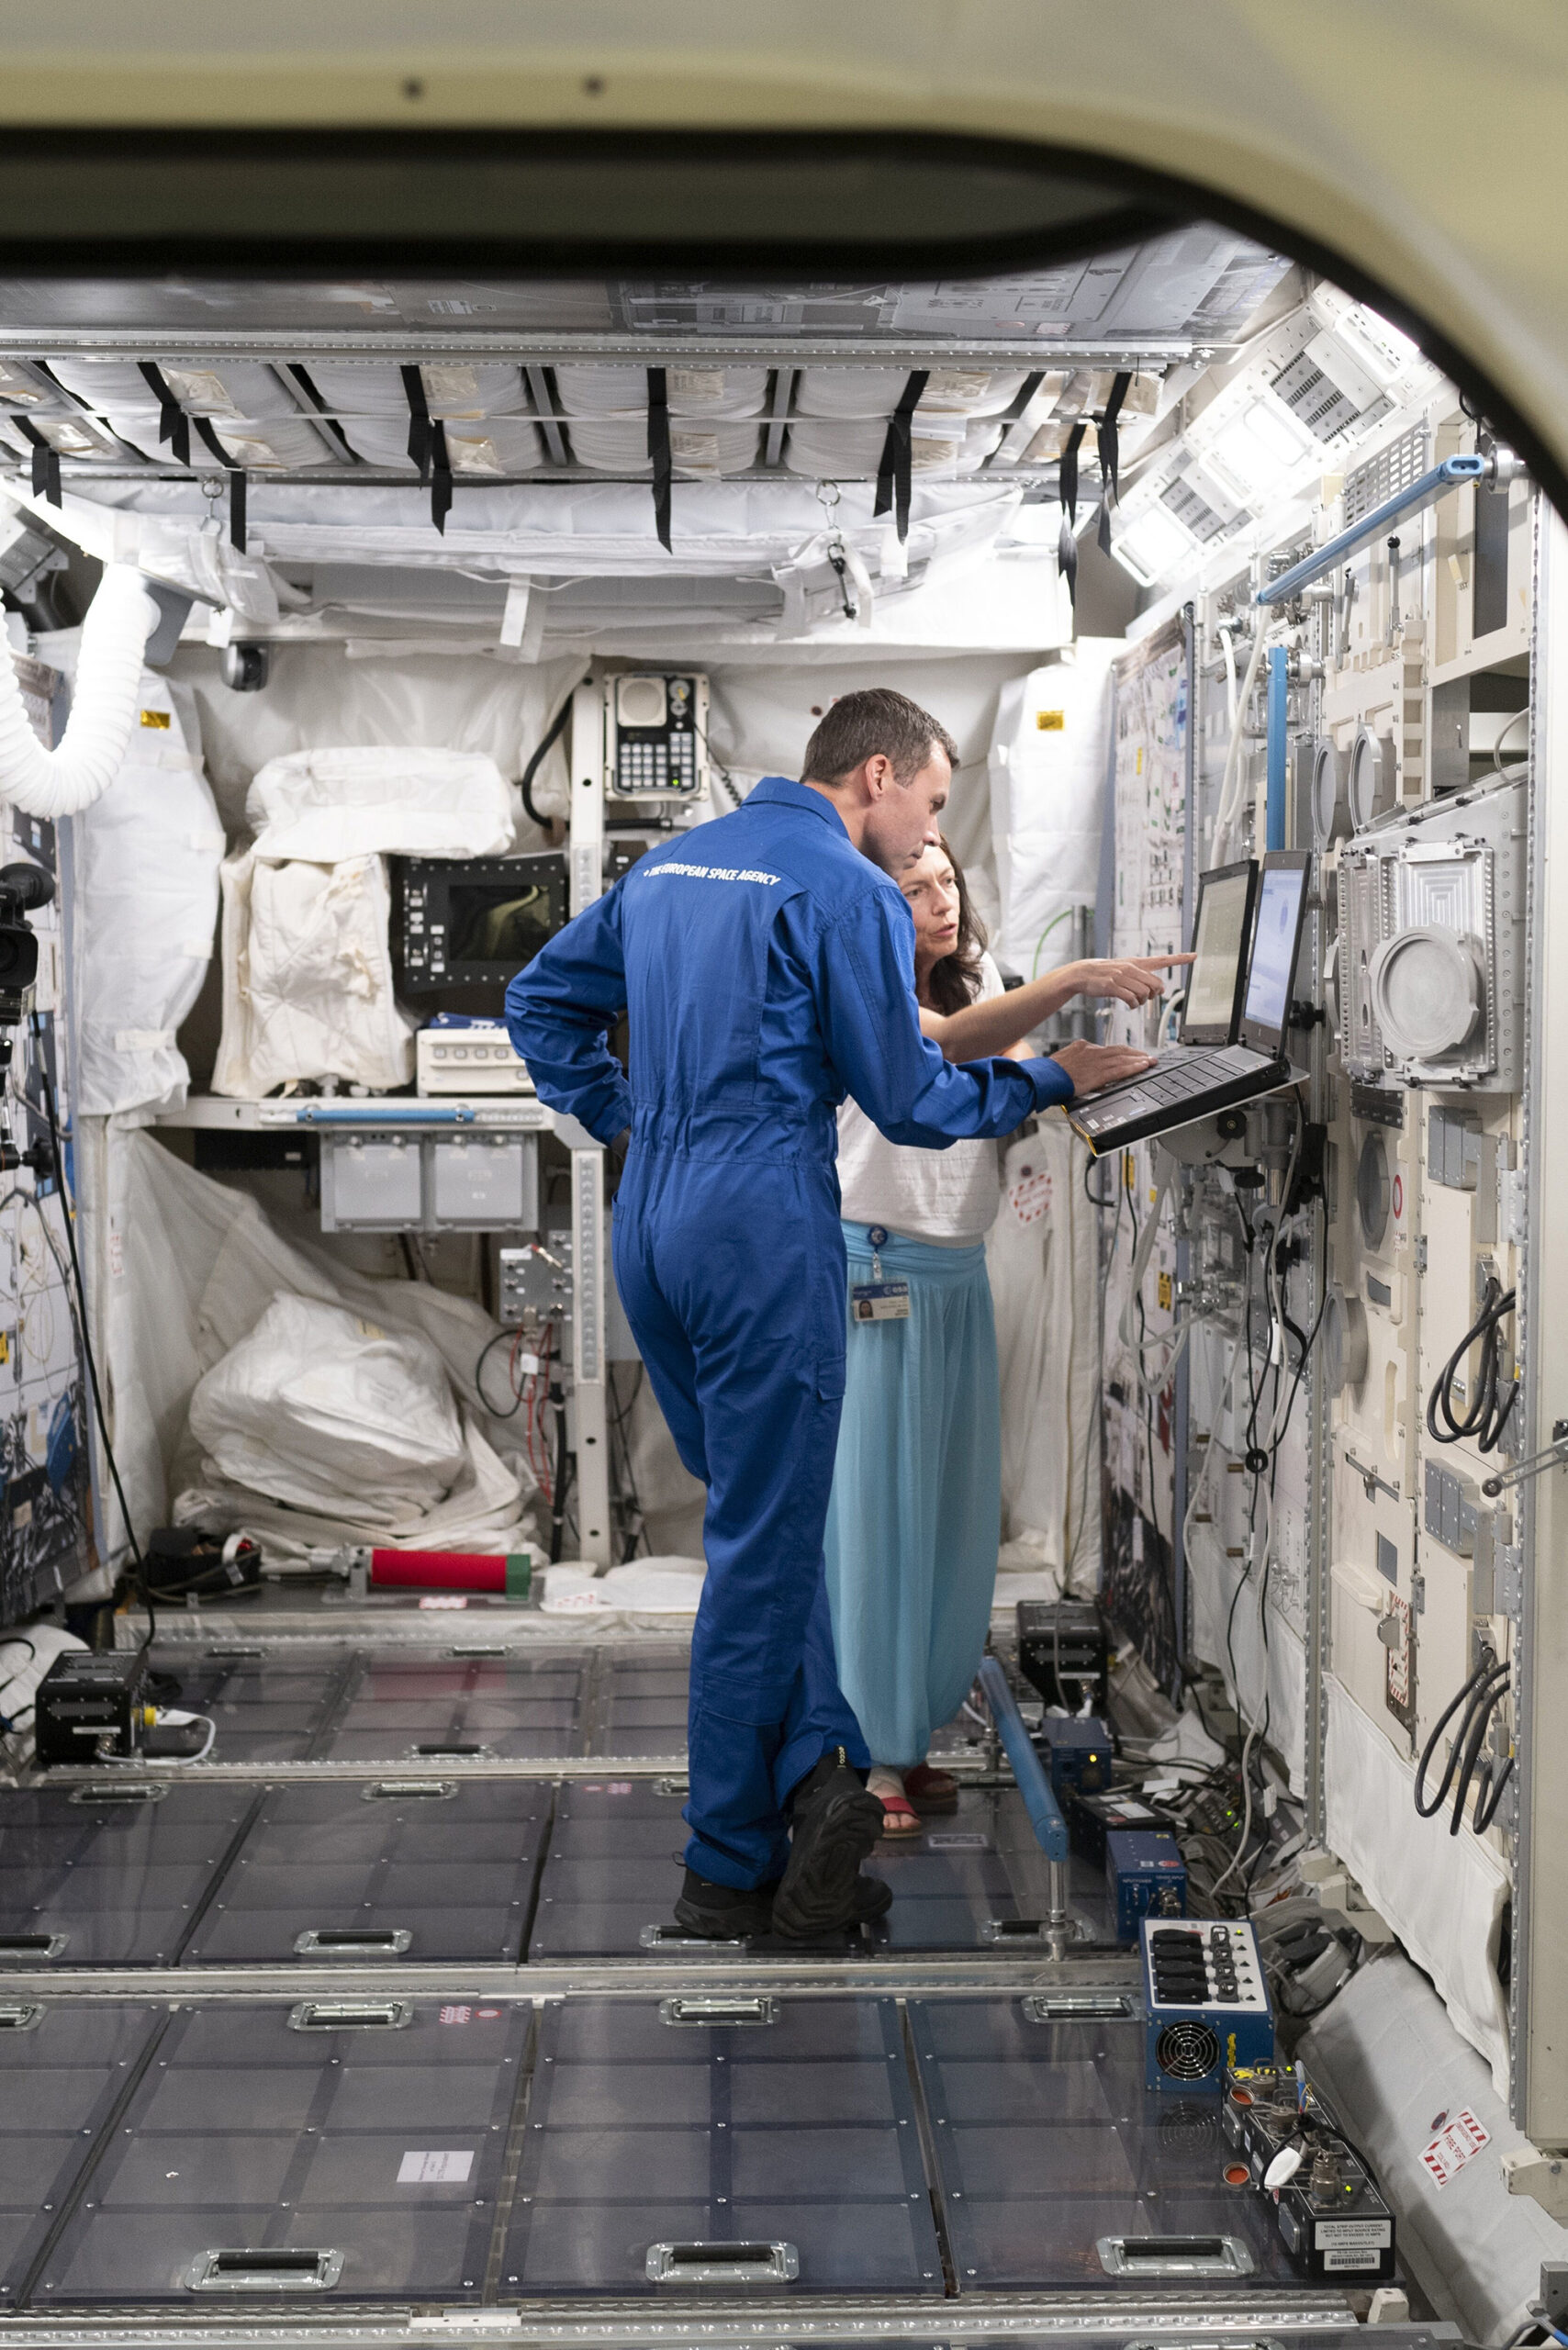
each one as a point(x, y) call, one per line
point(879, 1299)
point(878, 1302)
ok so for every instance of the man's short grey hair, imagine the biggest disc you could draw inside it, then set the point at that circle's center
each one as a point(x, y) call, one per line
point(860, 725)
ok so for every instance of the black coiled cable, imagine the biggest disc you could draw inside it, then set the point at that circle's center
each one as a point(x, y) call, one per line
point(1487, 1417)
point(1478, 1697)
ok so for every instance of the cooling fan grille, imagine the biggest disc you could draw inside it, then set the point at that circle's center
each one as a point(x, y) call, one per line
point(1187, 2051)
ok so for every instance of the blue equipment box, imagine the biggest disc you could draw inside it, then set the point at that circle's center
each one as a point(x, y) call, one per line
point(1145, 1877)
point(1207, 2003)
point(1078, 1754)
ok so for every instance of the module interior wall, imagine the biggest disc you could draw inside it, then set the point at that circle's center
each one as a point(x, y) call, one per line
point(44, 1510)
point(1139, 1501)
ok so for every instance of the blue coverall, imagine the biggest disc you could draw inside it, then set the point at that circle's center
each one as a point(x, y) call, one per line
point(769, 969)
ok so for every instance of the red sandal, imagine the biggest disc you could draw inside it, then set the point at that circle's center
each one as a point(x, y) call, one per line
point(930, 1790)
point(899, 1815)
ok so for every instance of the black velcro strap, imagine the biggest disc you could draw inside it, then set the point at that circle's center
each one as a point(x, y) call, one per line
point(236, 483)
point(658, 451)
point(892, 474)
point(419, 431)
point(1066, 490)
point(441, 477)
point(173, 424)
point(46, 462)
point(302, 377)
point(1110, 454)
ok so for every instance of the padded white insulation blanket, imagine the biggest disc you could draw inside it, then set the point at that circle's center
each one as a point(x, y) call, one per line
point(259, 1384)
point(306, 908)
point(1392, 2060)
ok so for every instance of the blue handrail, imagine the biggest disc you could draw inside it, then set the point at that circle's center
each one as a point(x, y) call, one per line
point(1450, 474)
point(1044, 1813)
point(384, 1114)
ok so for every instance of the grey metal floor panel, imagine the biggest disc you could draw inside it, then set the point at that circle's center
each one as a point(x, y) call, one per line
point(112, 1874)
point(61, 2068)
point(800, 2131)
point(1046, 2140)
point(438, 1868)
point(402, 1708)
point(267, 1706)
point(644, 1703)
point(614, 1870)
point(246, 2134)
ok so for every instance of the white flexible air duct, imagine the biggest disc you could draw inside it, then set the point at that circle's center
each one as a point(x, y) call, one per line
point(120, 620)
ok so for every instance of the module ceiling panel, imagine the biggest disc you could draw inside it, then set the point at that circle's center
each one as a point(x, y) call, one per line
point(1195, 288)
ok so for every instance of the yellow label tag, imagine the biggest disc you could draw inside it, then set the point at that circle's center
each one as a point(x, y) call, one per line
point(155, 718)
point(1165, 1293)
point(1138, 769)
point(1050, 721)
point(5, 1346)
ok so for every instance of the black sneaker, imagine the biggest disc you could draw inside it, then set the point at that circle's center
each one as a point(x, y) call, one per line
point(836, 1826)
point(724, 1913)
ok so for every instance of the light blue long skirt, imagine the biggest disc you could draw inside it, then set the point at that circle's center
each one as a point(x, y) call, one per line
point(915, 1516)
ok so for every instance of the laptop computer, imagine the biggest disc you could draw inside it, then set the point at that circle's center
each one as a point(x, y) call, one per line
point(1221, 1058)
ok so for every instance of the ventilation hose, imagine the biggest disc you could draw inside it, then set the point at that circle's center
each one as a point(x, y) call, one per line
point(120, 620)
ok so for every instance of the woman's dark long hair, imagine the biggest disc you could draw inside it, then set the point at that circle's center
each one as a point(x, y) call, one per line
point(956, 980)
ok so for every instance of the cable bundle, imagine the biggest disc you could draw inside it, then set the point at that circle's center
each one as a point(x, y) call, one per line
point(1487, 1419)
point(1479, 1697)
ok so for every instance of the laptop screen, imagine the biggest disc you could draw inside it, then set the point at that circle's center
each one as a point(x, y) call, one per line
point(1275, 936)
point(1219, 943)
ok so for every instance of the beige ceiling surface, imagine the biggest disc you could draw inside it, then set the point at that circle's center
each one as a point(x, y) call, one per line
point(1418, 141)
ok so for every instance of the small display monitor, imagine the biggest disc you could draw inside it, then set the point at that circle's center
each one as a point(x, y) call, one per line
point(1220, 936)
point(1276, 940)
point(473, 921)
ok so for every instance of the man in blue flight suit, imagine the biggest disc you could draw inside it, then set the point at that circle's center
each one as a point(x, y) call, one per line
point(766, 961)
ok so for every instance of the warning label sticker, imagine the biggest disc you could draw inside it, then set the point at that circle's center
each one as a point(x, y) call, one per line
point(1345, 2235)
point(449, 2169)
point(1457, 2142)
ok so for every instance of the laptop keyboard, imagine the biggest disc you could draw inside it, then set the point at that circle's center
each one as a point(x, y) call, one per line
point(1177, 1077)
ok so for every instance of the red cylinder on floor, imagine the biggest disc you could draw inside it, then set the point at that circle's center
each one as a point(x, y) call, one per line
point(452, 1571)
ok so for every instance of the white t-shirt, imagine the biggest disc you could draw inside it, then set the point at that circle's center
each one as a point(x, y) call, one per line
point(949, 1197)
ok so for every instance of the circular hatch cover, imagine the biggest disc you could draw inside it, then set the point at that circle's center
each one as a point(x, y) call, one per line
point(1427, 989)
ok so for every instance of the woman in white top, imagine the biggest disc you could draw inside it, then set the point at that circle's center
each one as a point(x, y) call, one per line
point(915, 1517)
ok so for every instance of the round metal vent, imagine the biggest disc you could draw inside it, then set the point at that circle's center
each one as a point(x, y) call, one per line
point(1427, 989)
point(1187, 2051)
point(1330, 796)
point(1371, 789)
point(1344, 1341)
point(1372, 1191)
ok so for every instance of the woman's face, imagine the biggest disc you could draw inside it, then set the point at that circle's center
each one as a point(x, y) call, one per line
point(932, 889)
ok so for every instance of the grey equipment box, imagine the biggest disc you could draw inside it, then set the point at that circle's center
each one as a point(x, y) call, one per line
point(287, 2153)
point(482, 1181)
point(764, 2143)
point(416, 1866)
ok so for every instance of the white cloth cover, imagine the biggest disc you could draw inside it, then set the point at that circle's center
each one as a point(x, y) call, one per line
point(593, 390)
point(180, 1270)
point(324, 1420)
point(379, 800)
point(145, 859)
point(652, 1594)
point(874, 391)
point(1443, 1894)
point(1041, 1258)
point(1048, 756)
point(307, 976)
point(1392, 2064)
